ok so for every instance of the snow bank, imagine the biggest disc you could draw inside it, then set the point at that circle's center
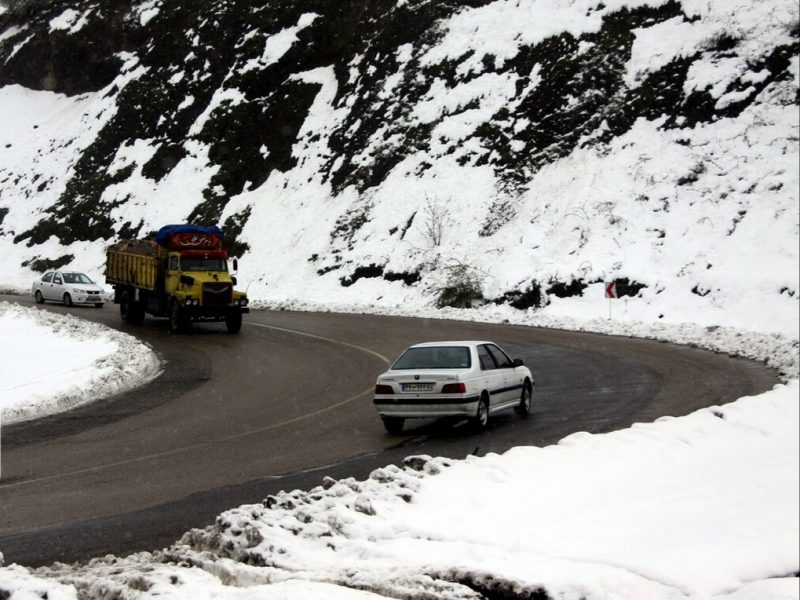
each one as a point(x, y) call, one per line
point(701, 506)
point(52, 363)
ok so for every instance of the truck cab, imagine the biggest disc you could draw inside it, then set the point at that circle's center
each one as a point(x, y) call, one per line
point(200, 282)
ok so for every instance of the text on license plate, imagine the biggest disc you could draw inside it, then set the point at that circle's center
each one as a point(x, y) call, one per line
point(417, 387)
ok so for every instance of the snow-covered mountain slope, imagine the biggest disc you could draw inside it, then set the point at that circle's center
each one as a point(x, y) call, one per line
point(377, 153)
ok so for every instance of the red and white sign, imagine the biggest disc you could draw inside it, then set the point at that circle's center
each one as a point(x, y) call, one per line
point(611, 289)
point(179, 241)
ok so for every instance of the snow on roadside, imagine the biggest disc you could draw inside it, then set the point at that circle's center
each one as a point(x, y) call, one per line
point(659, 510)
point(52, 363)
point(701, 506)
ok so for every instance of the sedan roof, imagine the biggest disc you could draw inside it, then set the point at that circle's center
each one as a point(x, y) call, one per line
point(451, 343)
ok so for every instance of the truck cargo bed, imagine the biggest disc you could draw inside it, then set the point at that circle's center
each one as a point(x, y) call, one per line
point(135, 269)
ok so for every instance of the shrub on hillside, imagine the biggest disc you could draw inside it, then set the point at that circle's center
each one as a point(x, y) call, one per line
point(464, 286)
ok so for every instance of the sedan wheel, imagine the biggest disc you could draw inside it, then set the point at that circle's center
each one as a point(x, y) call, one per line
point(67, 300)
point(394, 425)
point(481, 419)
point(39, 297)
point(523, 409)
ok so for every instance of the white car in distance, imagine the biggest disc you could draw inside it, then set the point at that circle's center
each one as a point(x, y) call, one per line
point(69, 287)
point(452, 379)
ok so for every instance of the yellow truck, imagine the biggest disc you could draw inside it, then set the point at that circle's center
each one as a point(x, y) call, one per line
point(181, 273)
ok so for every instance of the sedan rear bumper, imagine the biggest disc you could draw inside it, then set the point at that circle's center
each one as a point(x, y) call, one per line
point(426, 406)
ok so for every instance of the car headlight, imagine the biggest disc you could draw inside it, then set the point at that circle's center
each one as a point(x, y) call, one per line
point(79, 291)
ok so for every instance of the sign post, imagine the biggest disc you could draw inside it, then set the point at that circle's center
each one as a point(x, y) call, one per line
point(611, 294)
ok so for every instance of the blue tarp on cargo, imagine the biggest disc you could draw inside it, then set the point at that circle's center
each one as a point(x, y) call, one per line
point(163, 235)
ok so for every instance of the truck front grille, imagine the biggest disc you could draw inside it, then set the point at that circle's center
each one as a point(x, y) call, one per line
point(217, 294)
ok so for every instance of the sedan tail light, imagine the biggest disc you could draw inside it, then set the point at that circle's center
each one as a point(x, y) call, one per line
point(454, 388)
point(383, 389)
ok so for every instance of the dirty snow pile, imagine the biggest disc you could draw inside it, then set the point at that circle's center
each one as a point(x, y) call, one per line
point(52, 363)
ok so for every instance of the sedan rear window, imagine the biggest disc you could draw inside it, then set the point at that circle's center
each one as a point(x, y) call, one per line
point(435, 357)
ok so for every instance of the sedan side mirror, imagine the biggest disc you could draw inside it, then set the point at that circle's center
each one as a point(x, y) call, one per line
point(517, 362)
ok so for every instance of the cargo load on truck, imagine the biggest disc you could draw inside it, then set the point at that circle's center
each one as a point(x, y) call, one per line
point(180, 272)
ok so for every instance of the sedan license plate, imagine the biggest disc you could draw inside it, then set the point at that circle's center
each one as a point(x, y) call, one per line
point(417, 387)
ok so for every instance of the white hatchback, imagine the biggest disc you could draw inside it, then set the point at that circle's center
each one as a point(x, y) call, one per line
point(68, 287)
point(452, 379)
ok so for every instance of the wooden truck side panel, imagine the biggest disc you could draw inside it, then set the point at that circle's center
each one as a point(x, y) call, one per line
point(136, 270)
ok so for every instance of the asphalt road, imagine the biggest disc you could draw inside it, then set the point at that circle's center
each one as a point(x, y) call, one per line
point(234, 418)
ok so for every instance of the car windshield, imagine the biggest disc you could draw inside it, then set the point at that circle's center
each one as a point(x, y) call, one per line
point(76, 278)
point(203, 264)
point(434, 357)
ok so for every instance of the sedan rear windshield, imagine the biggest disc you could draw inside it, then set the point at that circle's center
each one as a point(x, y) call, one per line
point(435, 357)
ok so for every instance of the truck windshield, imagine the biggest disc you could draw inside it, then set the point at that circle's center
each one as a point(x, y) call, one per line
point(204, 264)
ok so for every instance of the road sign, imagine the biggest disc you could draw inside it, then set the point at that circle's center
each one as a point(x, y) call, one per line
point(611, 289)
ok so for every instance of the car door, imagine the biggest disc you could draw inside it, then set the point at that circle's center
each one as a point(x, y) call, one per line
point(493, 378)
point(506, 374)
point(56, 287)
point(44, 283)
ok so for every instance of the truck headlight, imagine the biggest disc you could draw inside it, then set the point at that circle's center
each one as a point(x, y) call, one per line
point(242, 301)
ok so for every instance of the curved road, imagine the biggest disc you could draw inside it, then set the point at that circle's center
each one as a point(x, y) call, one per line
point(234, 418)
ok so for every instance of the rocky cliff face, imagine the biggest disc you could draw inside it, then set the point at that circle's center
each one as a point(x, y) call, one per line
point(395, 140)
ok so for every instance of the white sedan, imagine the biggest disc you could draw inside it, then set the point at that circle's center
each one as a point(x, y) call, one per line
point(443, 379)
point(68, 287)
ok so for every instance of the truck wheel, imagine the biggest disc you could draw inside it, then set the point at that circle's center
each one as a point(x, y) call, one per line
point(233, 321)
point(131, 311)
point(523, 409)
point(138, 313)
point(177, 317)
